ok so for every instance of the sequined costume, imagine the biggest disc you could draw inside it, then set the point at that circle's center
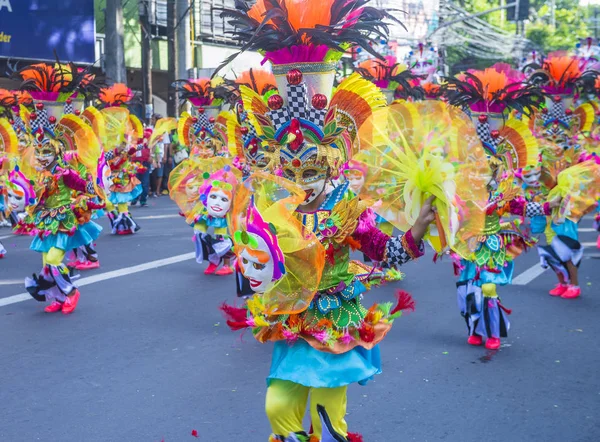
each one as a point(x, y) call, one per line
point(59, 214)
point(296, 259)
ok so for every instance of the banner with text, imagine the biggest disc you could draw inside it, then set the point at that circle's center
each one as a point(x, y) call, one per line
point(37, 29)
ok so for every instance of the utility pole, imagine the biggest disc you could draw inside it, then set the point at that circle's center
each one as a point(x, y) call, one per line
point(173, 74)
point(144, 11)
point(184, 38)
point(517, 16)
point(114, 53)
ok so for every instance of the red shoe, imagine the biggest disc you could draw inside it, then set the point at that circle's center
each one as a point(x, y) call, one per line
point(1, 255)
point(475, 340)
point(124, 232)
point(54, 307)
point(226, 270)
point(88, 265)
point(210, 269)
point(71, 303)
point(492, 343)
point(558, 290)
point(598, 242)
point(73, 264)
point(571, 293)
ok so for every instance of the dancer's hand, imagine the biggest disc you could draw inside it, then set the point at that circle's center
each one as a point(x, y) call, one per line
point(555, 202)
point(426, 217)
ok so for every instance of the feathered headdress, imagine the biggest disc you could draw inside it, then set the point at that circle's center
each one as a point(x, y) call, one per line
point(54, 82)
point(494, 90)
point(433, 91)
point(199, 92)
point(116, 95)
point(488, 96)
point(394, 78)
point(53, 125)
point(561, 74)
point(259, 80)
point(295, 31)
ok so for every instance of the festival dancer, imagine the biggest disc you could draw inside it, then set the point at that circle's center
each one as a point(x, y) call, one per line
point(488, 96)
point(325, 339)
point(61, 193)
point(562, 125)
point(124, 138)
point(203, 189)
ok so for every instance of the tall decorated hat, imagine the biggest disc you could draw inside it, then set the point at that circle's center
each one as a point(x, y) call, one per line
point(243, 138)
point(561, 76)
point(307, 125)
point(489, 97)
point(395, 80)
point(57, 91)
point(201, 131)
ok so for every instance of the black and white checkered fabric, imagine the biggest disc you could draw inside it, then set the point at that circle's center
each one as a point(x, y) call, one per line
point(484, 134)
point(41, 121)
point(279, 117)
point(89, 187)
point(68, 108)
point(396, 255)
point(109, 155)
point(204, 123)
point(534, 209)
point(19, 125)
point(316, 116)
point(250, 135)
point(297, 100)
point(557, 111)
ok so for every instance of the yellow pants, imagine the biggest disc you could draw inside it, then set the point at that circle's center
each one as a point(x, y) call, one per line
point(109, 206)
point(53, 257)
point(123, 208)
point(286, 405)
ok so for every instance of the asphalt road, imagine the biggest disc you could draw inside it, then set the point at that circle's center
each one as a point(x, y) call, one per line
point(147, 356)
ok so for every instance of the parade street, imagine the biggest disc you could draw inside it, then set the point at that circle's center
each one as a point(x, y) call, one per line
point(147, 355)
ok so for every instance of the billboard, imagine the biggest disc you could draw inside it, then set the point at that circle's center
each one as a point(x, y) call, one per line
point(35, 29)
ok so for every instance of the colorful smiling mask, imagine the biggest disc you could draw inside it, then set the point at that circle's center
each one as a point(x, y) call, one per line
point(217, 191)
point(281, 261)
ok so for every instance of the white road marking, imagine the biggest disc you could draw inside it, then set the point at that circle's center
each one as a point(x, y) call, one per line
point(589, 244)
point(586, 229)
point(159, 216)
point(11, 281)
point(109, 275)
point(528, 275)
point(7, 236)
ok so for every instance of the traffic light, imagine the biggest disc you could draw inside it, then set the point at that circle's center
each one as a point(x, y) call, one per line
point(523, 10)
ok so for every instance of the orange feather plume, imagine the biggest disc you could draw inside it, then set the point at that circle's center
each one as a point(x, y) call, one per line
point(48, 78)
point(115, 95)
point(492, 81)
point(563, 69)
point(304, 14)
point(259, 80)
